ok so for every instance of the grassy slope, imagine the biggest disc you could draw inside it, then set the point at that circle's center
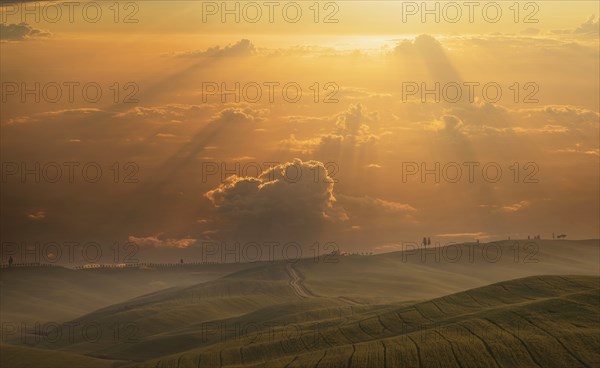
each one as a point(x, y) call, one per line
point(187, 323)
point(549, 321)
point(56, 294)
point(171, 319)
point(24, 357)
point(410, 277)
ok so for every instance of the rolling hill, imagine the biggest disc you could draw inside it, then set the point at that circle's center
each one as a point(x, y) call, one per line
point(537, 305)
point(54, 294)
point(537, 321)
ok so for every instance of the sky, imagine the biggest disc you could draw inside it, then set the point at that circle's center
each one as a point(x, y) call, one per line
point(350, 125)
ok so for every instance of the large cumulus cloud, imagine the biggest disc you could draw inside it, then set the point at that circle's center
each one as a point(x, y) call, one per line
point(295, 201)
point(294, 198)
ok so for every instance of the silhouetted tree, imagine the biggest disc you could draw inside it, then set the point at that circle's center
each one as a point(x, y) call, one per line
point(428, 241)
point(424, 241)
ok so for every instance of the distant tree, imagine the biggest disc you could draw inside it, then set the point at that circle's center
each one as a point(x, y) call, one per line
point(428, 241)
point(10, 261)
point(424, 241)
point(181, 261)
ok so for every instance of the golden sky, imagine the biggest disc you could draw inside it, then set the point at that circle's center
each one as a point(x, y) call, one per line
point(362, 132)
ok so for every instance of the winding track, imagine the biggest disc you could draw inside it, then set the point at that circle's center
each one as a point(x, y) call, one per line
point(296, 282)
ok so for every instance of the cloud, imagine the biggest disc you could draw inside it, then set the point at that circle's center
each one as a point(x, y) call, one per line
point(352, 130)
point(421, 43)
point(241, 48)
point(530, 31)
point(515, 207)
point(566, 115)
point(545, 129)
point(305, 51)
point(39, 215)
point(577, 148)
point(376, 213)
point(354, 122)
point(360, 93)
point(452, 123)
point(245, 47)
point(155, 242)
point(285, 199)
point(508, 208)
point(275, 205)
point(165, 135)
point(305, 146)
point(20, 32)
point(448, 124)
point(301, 119)
point(426, 54)
point(168, 112)
point(375, 204)
point(589, 27)
point(235, 115)
point(485, 118)
point(57, 115)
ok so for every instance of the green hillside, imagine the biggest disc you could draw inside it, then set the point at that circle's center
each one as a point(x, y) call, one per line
point(24, 357)
point(388, 310)
point(548, 321)
point(416, 274)
point(54, 294)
